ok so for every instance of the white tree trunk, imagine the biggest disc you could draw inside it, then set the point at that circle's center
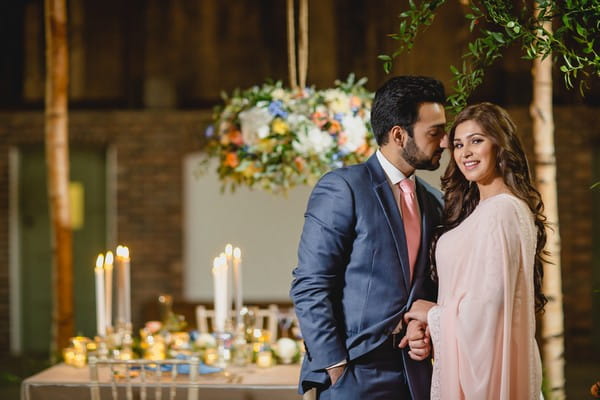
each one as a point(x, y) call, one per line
point(545, 173)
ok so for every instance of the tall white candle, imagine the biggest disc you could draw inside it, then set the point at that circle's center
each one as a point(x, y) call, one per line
point(100, 302)
point(230, 285)
point(108, 290)
point(220, 292)
point(126, 260)
point(237, 278)
point(123, 285)
point(119, 284)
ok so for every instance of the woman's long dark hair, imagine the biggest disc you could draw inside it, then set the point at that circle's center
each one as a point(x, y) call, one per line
point(461, 197)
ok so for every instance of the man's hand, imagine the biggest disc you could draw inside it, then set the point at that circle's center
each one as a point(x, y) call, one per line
point(418, 311)
point(417, 338)
point(335, 373)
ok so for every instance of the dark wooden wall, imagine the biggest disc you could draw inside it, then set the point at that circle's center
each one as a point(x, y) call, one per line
point(183, 53)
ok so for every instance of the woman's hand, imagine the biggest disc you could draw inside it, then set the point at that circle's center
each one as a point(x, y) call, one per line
point(418, 340)
point(418, 311)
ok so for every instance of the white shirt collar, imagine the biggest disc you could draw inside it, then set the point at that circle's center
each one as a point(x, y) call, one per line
point(393, 174)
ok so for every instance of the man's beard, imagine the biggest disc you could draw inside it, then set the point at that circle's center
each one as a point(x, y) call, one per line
point(419, 160)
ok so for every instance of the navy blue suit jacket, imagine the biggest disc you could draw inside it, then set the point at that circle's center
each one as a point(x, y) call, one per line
point(351, 286)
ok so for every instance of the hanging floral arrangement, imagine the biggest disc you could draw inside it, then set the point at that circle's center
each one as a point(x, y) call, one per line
point(277, 138)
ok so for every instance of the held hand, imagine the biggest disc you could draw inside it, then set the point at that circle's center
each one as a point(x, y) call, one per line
point(417, 338)
point(418, 311)
point(335, 373)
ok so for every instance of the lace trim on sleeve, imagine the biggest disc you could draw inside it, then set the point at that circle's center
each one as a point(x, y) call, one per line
point(433, 319)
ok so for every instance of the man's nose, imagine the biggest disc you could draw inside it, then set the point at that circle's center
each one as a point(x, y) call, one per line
point(444, 141)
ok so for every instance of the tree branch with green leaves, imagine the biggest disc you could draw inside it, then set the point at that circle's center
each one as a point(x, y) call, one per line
point(497, 24)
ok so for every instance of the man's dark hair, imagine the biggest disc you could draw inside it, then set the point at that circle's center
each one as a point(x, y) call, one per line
point(397, 103)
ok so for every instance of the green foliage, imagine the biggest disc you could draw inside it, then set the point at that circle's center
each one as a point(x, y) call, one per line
point(496, 24)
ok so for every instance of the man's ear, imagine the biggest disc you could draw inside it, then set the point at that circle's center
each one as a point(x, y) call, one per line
point(398, 135)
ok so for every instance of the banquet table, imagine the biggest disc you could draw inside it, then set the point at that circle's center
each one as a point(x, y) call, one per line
point(236, 383)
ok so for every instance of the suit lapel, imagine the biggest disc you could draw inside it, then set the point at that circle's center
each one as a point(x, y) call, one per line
point(388, 203)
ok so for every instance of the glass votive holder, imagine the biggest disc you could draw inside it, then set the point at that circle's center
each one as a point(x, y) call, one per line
point(180, 341)
point(79, 343)
point(68, 354)
point(156, 351)
point(210, 356)
point(242, 352)
point(264, 359)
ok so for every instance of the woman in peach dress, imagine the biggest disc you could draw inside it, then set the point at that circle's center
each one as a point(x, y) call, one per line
point(488, 261)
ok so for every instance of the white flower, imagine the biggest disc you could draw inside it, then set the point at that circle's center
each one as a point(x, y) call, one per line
point(205, 340)
point(286, 349)
point(354, 133)
point(279, 94)
point(338, 101)
point(254, 123)
point(296, 121)
point(312, 140)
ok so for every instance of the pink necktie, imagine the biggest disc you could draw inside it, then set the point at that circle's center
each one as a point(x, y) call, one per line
point(412, 222)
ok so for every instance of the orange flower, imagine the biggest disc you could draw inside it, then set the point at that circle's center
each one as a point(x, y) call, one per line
point(355, 102)
point(250, 170)
point(334, 126)
point(299, 163)
point(235, 137)
point(231, 160)
point(319, 118)
point(364, 149)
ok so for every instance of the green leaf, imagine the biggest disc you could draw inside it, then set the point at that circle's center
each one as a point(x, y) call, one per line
point(384, 57)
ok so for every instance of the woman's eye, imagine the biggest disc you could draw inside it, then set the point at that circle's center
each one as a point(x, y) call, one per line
point(457, 145)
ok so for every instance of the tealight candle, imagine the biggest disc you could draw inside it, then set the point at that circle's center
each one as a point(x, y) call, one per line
point(264, 359)
point(210, 356)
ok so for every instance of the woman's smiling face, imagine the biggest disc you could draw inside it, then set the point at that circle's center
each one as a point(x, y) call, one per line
point(474, 153)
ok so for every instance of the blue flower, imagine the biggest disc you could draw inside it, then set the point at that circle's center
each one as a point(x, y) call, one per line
point(337, 164)
point(276, 109)
point(209, 131)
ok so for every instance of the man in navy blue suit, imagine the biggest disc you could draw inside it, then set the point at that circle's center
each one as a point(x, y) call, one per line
point(355, 277)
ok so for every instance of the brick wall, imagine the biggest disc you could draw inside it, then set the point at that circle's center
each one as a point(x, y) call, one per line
point(150, 147)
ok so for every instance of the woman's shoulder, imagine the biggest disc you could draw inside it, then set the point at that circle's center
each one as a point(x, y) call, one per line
point(505, 208)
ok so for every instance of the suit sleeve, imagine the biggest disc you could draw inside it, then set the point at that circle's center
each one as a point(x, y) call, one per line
point(323, 253)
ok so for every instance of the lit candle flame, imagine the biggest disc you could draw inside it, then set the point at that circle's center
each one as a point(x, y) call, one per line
point(228, 250)
point(122, 251)
point(100, 261)
point(237, 253)
point(108, 260)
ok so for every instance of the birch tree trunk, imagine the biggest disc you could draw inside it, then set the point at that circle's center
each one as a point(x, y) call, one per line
point(545, 173)
point(57, 164)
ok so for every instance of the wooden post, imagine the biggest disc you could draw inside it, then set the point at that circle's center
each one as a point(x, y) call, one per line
point(57, 163)
point(545, 172)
